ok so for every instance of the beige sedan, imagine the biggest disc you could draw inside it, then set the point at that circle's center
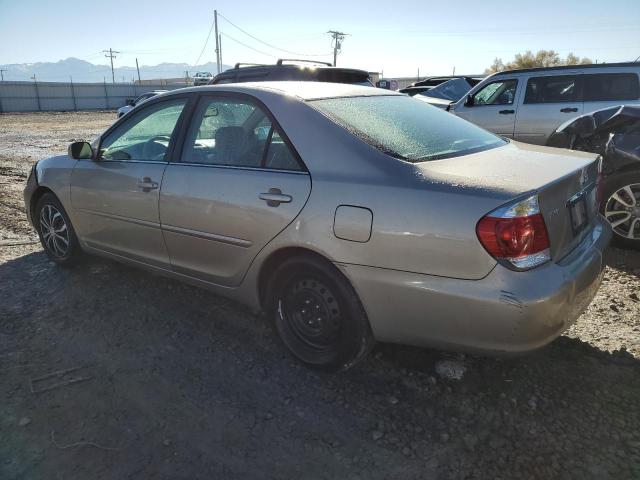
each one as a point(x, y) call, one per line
point(348, 214)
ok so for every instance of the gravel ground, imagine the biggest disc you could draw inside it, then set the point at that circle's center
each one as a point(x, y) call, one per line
point(173, 382)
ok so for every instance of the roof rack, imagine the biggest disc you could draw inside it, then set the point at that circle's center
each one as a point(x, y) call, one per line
point(239, 65)
point(282, 60)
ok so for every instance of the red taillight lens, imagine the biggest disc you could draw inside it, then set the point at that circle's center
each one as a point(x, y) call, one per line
point(513, 237)
point(516, 234)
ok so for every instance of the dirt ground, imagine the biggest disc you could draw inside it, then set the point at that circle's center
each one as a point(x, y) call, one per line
point(107, 372)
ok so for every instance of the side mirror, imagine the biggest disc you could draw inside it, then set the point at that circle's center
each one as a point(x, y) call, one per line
point(80, 151)
point(469, 101)
point(129, 102)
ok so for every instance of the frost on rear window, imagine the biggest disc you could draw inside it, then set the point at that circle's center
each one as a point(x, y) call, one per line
point(407, 128)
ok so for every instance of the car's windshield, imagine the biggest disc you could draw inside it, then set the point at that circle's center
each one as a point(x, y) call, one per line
point(452, 90)
point(407, 128)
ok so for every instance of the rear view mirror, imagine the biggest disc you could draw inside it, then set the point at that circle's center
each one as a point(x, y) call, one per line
point(80, 150)
point(469, 101)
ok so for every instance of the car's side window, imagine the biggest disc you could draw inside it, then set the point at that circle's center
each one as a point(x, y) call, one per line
point(145, 136)
point(235, 132)
point(611, 87)
point(500, 92)
point(552, 89)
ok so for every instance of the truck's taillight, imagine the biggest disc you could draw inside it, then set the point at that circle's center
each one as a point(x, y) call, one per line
point(516, 235)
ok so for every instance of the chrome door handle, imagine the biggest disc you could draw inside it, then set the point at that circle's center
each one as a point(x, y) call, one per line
point(146, 184)
point(275, 197)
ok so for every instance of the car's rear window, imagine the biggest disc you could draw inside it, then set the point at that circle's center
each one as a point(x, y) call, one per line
point(407, 128)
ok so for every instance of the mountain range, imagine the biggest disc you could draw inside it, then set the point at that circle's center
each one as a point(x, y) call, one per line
point(83, 71)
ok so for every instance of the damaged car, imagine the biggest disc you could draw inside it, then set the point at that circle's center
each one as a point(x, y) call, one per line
point(613, 133)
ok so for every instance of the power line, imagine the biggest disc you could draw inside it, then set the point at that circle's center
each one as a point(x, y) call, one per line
point(270, 45)
point(205, 44)
point(248, 46)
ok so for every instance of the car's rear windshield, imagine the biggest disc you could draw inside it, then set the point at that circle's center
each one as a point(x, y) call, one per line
point(406, 128)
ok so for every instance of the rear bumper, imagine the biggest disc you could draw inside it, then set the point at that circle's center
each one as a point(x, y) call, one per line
point(505, 312)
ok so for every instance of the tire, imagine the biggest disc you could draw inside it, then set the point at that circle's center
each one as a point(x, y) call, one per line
point(57, 236)
point(339, 336)
point(619, 205)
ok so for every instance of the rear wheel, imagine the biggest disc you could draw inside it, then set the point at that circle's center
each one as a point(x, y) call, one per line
point(55, 231)
point(621, 208)
point(318, 315)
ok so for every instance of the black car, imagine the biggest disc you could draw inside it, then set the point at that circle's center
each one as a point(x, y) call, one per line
point(289, 69)
point(614, 133)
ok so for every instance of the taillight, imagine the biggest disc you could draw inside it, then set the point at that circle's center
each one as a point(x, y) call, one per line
point(600, 184)
point(516, 235)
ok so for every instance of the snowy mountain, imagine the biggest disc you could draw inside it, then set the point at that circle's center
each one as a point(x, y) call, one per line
point(82, 71)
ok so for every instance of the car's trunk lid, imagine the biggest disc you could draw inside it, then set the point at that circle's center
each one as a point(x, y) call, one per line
point(564, 180)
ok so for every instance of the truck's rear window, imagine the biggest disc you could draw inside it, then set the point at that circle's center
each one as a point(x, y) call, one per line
point(407, 128)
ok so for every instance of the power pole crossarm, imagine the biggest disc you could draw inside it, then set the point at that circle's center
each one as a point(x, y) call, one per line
point(337, 38)
point(111, 55)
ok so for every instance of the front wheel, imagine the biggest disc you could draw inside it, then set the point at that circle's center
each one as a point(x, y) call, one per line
point(621, 208)
point(55, 231)
point(318, 315)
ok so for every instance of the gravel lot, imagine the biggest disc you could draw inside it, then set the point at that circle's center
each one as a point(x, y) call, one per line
point(173, 382)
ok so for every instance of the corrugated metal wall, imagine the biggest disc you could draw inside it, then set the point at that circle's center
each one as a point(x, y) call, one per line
point(57, 96)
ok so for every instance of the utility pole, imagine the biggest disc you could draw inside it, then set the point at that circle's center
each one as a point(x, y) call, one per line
point(111, 56)
point(138, 68)
point(215, 23)
point(220, 51)
point(2, 70)
point(336, 42)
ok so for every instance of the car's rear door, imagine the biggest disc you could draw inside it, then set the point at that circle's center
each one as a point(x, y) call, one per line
point(493, 106)
point(549, 101)
point(115, 197)
point(237, 184)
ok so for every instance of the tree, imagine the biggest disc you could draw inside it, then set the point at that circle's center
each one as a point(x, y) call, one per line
point(543, 58)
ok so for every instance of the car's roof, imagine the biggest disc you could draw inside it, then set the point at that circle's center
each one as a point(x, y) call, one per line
point(569, 67)
point(302, 90)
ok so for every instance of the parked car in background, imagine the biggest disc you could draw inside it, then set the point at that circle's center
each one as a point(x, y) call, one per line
point(132, 103)
point(287, 69)
point(447, 92)
point(416, 217)
point(614, 133)
point(529, 105)
point(202, 78)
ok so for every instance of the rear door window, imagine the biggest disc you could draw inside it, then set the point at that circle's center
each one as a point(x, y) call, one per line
point(552, 89)
point(611, 87)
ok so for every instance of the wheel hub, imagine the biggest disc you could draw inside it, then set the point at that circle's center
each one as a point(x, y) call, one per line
point(55, 234)
point(622, 210)
point(312, 312)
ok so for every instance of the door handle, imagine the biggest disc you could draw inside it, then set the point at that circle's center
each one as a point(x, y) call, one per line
point(506, 112)
point(146, 184)
point(568, 110)
point(274, 197)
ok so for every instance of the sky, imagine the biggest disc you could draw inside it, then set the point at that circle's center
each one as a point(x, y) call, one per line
point(397, 38)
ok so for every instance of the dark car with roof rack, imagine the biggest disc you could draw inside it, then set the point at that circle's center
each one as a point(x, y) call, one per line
point(292, 69)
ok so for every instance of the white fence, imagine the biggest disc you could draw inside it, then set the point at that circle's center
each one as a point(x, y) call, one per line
point(67, 96)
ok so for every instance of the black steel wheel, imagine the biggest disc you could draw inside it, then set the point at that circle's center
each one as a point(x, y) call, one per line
point(318, 315)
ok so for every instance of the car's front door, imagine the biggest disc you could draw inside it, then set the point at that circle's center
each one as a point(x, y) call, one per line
point(493, 107)
point(549, 101)
point(238, 184)
point(115, 197)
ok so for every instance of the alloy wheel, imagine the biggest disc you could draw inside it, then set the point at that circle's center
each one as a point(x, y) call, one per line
point(622, 210)
point(53, 228)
